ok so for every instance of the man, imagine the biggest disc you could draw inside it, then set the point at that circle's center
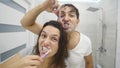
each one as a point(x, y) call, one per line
point(79, 45)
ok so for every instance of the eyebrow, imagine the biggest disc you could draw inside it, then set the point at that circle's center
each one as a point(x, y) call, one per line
point(52, 35)
point(71, 11)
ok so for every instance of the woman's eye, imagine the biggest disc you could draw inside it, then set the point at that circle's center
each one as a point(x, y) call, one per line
point(43, 35)
point(54, 39)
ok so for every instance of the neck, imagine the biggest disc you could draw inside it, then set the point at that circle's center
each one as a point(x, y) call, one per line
point(73, 39)
point(46, 63)
point(71, 34)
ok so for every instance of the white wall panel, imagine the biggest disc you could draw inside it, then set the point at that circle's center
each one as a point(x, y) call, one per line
point(118, 38)
point(13, 37)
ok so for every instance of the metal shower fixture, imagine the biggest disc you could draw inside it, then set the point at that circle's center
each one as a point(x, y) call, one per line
point(92, 9)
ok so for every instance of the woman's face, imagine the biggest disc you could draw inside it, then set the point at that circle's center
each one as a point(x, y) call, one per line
point(49, 40)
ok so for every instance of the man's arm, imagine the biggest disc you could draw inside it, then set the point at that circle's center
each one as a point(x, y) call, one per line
point(88, 61)
point(29, 19)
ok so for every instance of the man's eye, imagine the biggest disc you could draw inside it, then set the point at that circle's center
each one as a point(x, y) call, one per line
point(62, 16)
point(72, 15)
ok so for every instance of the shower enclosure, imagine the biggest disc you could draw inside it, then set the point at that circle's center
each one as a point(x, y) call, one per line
point(101, 49)
point(104, 45)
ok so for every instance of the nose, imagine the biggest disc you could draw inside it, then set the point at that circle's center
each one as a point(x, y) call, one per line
point(47, 42)
point(66, 18)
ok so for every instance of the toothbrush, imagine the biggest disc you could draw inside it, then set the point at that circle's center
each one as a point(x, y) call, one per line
point(44, 55)
point(54, 8)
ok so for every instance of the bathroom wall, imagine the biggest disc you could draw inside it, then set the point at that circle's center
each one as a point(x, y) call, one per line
point(13, 37)
point(118, 38)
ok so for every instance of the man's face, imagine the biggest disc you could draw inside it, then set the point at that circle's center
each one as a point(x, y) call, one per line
point(68, 18)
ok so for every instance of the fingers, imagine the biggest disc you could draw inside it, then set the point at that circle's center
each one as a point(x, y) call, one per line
point(34, 63)
point(31, 67)
point(55, 5)
point(51, 5)
point(35, 60)
point(36, 57)
point(31, 60)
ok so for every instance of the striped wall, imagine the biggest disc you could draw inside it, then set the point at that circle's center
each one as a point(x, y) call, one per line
point(14, 5)
point(5, 28)
point(13, 37)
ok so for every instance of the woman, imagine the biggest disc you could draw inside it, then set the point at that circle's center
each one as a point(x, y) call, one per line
point(49, 52)
point(52, 37)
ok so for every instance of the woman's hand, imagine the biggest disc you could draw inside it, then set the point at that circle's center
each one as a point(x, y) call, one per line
point(31, 61)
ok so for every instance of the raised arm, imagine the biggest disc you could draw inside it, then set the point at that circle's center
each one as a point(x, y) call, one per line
point(29, 19)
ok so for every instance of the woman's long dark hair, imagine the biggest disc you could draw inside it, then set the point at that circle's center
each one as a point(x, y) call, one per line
point(58, 60)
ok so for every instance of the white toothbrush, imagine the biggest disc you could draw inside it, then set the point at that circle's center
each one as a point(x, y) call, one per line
point(54, 8)
point(44, 55)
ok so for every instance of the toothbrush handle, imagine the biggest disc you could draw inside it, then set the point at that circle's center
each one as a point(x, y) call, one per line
point(44, 55)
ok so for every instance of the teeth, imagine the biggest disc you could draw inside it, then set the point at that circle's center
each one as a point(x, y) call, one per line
point(44, 55)
point(44, 51)
point(42, 48)
point(66, 25)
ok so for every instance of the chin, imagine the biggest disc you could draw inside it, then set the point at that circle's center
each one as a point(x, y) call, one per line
point(68, 31)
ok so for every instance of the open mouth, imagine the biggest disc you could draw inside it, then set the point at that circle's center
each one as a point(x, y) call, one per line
point(44, 51)
point(66, 26)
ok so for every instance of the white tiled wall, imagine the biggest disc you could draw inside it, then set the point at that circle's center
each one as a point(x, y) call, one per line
point(118, 39)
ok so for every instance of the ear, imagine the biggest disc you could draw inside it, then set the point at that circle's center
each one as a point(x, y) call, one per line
point(78, 20)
